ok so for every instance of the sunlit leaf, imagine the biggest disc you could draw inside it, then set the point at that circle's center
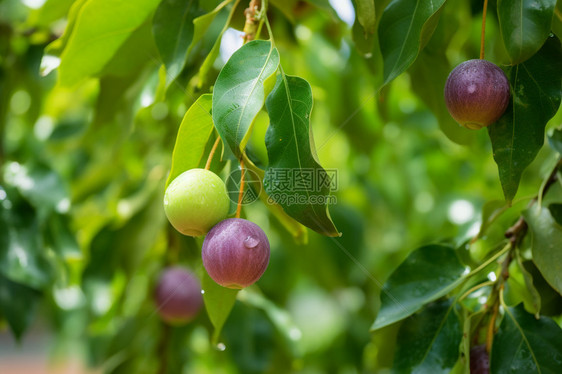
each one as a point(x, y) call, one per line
point(405, 27)
point(525, 345)
point(524, 25)
point(239, 91)
point(57, 46)
point(50, 12)
point(365, 12)
point(193, 135)
point(102, 26)
point(519, 134)
point(427, 274)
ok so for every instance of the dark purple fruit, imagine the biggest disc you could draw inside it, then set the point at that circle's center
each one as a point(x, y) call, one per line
point(476, 93)
point(178, 295)
point(479, 360)
point(235, 253)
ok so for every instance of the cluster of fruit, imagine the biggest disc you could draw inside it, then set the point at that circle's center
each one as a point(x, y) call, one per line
point(235, 251)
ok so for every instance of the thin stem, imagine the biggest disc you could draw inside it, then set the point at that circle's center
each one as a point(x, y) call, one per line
point(492, 328)
point(269, 30)
point(163, 348)
point(482, 37)
point(490, 260)
point(475, 288)
point(212, 153)
point(241, 193)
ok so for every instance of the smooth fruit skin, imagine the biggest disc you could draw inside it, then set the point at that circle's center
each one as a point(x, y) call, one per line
point(178, 295)
point(235, 253)
point(476, 93)
point(195, 201)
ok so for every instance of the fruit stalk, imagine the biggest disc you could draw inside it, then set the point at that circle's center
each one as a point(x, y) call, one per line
point(212, 153)
point(482, 36)
point(241, 193)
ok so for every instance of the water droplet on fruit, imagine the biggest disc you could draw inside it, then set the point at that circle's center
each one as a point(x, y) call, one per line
point(251, 242)
point(471, 88)
point(202, 292)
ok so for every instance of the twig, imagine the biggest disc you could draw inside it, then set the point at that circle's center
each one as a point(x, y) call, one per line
point(250, 27)
point(163, 348)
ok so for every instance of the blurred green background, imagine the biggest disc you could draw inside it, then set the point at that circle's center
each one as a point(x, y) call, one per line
point(83, 234)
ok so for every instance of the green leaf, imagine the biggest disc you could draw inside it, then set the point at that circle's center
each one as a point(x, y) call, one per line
point(555, 140)
point(57, 46)
point(519, 288)
point(556, 212)
point(365, 11)
point(428, 342)
point(427, 274)
point(280, 318)
point(530, 284)
point(297, 231)
point(524, 26)
point(294, 178)
point(50, 12)
point(546, 244)
point(239, 91)
point(519, 134)
point(102, 26)
point(132, 55)
point(61, 238)
point(551, 301)
point(41, 186)
point(173, 32)
point(557, 20)
point(201, 25)
point(525, 345)
point(428, 76)
point(218, 302)
point(404, 29)
point(193, 135)
point(17, 305)
point(490, 212)
point(22, 258)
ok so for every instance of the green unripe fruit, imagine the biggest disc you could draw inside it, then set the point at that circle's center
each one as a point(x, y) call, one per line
point(195, 201)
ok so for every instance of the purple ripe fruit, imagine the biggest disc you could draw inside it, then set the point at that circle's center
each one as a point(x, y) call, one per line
point(479, 360)
point(476, 93)
point(178, 295)
point(235, 253)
